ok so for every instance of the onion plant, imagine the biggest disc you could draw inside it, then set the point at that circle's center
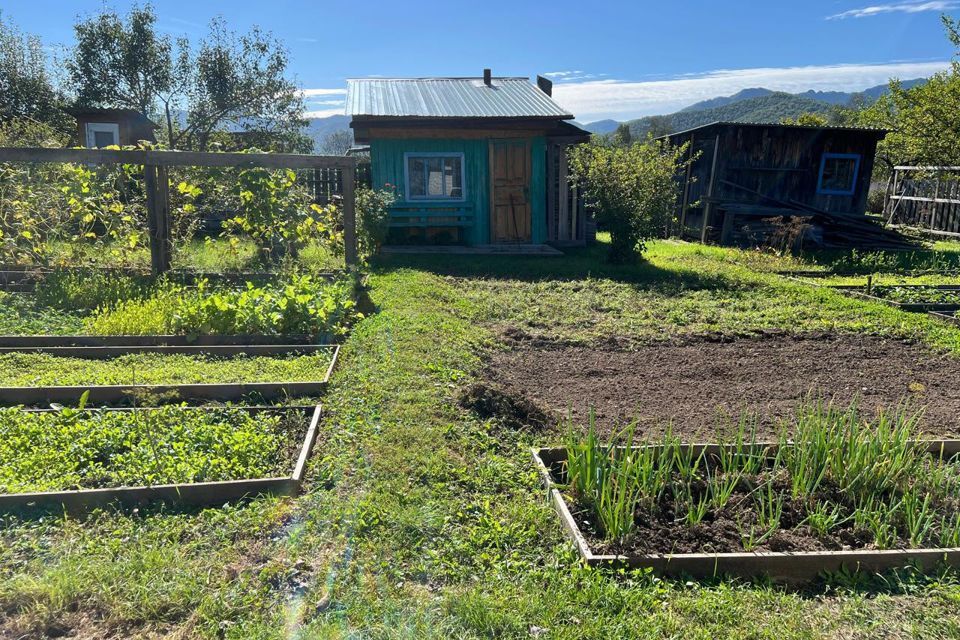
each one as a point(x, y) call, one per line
point(837, 470)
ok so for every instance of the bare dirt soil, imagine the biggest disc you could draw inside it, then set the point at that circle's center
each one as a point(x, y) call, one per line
point(701, 383)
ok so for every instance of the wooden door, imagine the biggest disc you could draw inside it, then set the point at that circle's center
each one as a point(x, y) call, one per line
point(510, 212)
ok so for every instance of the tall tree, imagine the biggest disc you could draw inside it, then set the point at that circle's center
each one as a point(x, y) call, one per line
point(27, 92)
point(923, 121)
point(337, 143)
point(622, 136)
point(230, 81)
point(119, 63)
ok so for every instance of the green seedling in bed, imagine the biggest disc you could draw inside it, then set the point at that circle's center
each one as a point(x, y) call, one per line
point(918, 295)
point(32, 370)
point(720, 487)
point(298, 305)
point(918, 517)
point(75, 449)
point(950, 531)
point(824, 517)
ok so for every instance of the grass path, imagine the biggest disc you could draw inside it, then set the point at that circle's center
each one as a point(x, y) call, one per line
point(422, 521)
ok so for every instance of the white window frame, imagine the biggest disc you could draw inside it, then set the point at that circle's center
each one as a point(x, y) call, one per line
point(93, 128)
point(435, 154)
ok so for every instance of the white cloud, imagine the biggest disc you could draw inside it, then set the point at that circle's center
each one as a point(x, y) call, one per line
point(621, 100)
point(897, 7)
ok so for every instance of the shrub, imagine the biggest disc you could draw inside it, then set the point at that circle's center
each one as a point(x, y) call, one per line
point(630, 190)
point(373, 218)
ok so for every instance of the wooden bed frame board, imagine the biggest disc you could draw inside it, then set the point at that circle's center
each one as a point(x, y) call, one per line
point(785, 567)
point(195, 494)
point(46, 341)
point(917, 307)
point(945, 316)
point(106, 352)
point(204, 391)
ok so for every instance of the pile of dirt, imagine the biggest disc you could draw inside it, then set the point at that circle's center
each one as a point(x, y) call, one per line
point(514, 412)
point(701, 382)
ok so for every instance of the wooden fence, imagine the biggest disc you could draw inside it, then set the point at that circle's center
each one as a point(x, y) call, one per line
point(340, 172)
point(924, 198)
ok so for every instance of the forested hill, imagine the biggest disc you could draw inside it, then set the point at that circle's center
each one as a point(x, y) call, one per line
point(766, 108)
point(748, 105)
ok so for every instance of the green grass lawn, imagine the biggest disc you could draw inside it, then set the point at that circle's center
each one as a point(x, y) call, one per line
point(423, 521)
point(41, 369)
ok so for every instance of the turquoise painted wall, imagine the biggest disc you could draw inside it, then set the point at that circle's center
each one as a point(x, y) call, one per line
point(386, 165)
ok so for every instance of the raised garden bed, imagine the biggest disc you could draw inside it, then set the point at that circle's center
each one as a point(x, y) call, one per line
point(917, 298)
point(749, 509)
point(57, 367)
point(192, 494)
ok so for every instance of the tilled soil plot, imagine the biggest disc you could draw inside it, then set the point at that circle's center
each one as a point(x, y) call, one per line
point(701, 383)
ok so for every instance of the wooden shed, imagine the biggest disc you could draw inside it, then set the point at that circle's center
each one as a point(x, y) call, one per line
point(745, 174)
point(98, 128)
point(479, 162)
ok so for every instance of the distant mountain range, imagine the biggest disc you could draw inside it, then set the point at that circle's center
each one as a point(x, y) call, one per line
point(320, 128)
point(749, 105)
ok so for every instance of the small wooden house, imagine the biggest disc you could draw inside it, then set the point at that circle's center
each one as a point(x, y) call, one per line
point(743, 174)
point(474, 161)
point(98, 128)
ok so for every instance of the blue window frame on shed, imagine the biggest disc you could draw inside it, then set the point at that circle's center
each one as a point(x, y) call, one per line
point(838, 174)
point(434, 176)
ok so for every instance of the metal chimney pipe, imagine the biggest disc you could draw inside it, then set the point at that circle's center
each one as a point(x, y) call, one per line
point(487, 77)
point(545, 85)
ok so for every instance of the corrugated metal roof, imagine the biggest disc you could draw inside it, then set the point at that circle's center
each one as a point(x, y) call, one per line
point(450, 98)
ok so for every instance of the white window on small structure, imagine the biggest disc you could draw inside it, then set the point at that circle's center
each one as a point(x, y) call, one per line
point(434, 176)
point(102, 134)
point(838, 174)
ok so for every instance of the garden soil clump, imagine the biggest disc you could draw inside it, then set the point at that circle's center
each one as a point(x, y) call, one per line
point(700, 383)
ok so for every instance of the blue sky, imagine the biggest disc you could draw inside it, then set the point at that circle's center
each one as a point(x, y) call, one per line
point(608, 59)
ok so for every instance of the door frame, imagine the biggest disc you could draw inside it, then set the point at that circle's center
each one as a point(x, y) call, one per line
point(491, 196)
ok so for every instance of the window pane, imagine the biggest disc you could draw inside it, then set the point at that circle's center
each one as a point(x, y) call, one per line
point(103, 139)
point(838, 174)
point(453, 177)
point(435, 177)
point(415, 169)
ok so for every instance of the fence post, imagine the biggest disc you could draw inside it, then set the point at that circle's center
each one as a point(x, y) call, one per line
point(164, 240)
point(349, 217)
point(157, 187)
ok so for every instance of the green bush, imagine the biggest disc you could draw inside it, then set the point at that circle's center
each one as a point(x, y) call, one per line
point(630, 190)
point(373, 218)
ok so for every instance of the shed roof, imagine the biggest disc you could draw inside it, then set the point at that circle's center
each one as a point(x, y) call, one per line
point(112, 114)
point(450, 98)
point(879, 133)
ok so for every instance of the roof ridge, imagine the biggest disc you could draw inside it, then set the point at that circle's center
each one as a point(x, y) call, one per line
point(525, 78)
